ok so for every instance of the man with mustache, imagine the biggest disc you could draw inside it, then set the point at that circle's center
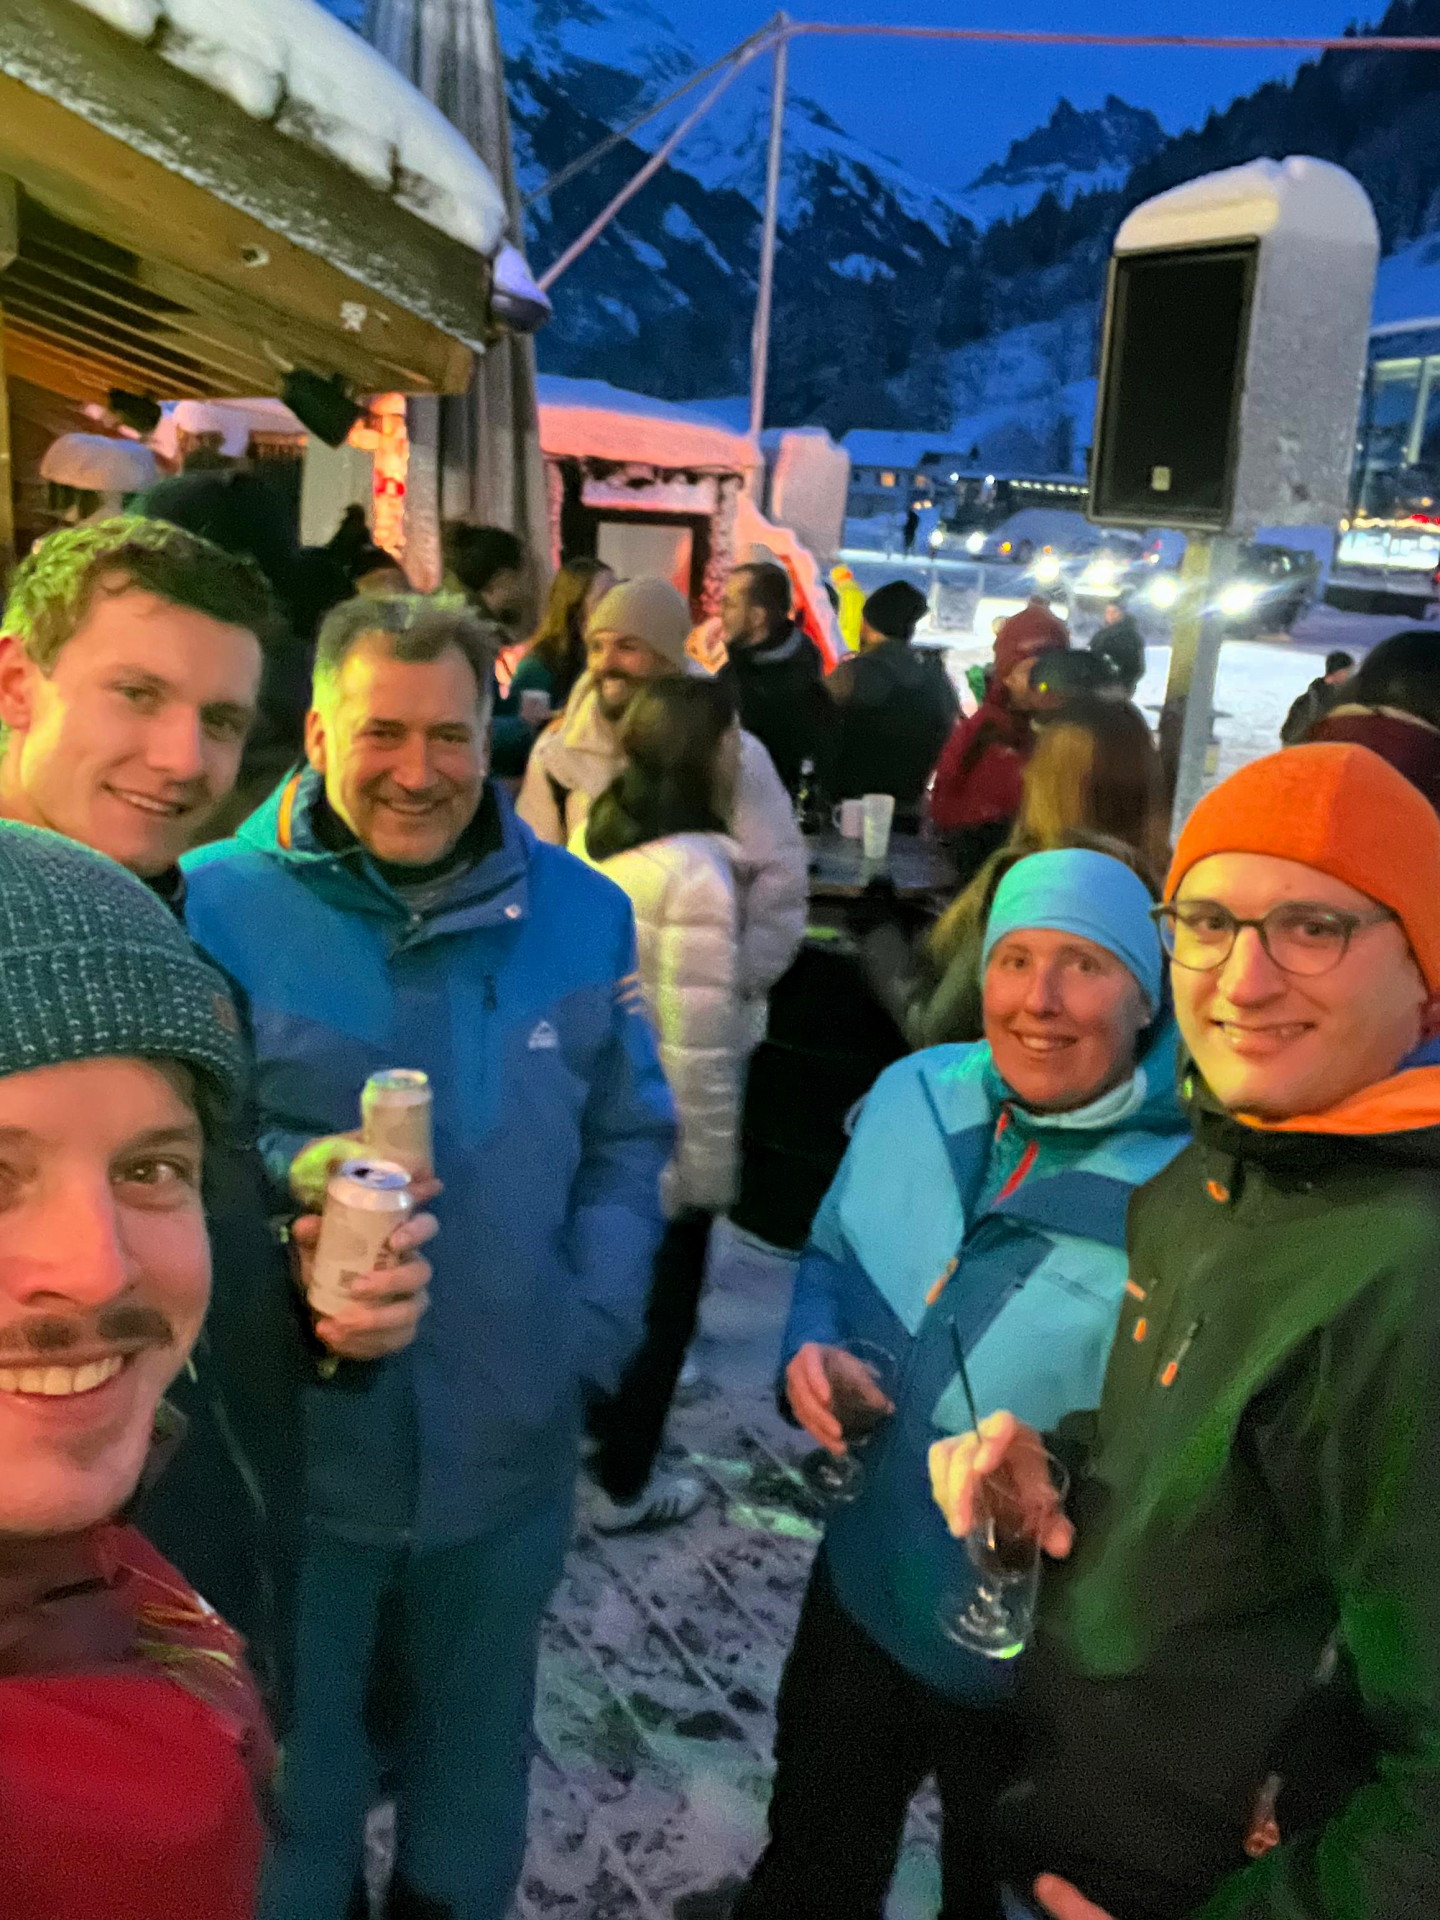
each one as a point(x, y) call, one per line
point(386, 908)
point(134, 1754)
point(638, 632)
point(130, 657)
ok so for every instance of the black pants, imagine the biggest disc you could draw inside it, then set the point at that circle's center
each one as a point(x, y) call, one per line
point(856, 1736)
point(630, 1425)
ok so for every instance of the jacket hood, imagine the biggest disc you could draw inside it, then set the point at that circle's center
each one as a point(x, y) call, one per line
point(902, 664)
point(1396, 1120)
point(1408, 1102)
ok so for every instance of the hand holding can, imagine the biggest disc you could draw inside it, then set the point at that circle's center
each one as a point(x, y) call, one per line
point(366, 1201)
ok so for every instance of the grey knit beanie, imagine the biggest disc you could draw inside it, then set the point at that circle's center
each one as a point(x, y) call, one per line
point(92, 965)
point(647, 609)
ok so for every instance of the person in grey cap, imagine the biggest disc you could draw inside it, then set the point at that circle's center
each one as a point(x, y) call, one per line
point(896, 703)
point(136, 1751)
point(638, 633)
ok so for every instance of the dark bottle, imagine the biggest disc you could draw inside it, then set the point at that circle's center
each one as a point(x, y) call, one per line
point(812, 814)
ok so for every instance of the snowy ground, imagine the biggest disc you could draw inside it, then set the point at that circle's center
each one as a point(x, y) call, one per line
point(662, 1652)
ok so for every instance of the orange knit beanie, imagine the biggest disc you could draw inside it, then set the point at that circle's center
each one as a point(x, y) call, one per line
point(1342, 810)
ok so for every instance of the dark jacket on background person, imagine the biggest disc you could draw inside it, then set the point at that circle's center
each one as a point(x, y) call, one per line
point(1410, 744)
point(1311, 707)
point(1123, 645)
point(1248, 1627)
point(229, 1508)
point(896, 710)
point(779, 688)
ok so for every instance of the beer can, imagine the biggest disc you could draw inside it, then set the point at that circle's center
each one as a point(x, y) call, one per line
point(395, 1112)
point(364, 1203)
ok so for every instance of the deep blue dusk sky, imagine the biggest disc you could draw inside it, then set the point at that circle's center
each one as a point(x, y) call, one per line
point(948, 111)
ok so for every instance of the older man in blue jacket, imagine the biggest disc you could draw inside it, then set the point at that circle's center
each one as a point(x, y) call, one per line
point(982, 1204)
point(385, 908)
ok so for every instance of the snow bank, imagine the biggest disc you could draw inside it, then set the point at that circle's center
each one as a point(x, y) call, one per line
point(591, 419)
point(288, 62)
point(809, 482)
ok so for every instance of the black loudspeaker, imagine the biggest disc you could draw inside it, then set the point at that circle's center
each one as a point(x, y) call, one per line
point(1172, 388)
point(321, 406)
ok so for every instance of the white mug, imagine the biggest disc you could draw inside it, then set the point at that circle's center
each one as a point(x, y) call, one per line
point(849, 818)
point(879, 817)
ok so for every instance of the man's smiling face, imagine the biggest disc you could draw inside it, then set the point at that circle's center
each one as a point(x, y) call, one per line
point(1279, 1044)
point(133, 737)
point(404, 748)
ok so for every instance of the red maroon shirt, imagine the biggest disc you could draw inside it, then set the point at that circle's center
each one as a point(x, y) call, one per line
point(134, 1751)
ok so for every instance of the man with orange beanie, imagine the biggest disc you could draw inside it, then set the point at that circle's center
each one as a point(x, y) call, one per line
point(1234, 1690)
point(976, 792)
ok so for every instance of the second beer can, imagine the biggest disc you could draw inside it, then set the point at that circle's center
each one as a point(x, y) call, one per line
point(395, 1112)
point(364, 1203)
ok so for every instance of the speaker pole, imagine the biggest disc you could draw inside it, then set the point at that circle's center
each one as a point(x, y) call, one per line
point(1196, 637)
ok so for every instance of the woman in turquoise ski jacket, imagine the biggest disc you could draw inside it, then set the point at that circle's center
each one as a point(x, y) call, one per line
point(982, 1200)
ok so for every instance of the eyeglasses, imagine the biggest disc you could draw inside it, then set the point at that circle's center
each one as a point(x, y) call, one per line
point(1299, 936)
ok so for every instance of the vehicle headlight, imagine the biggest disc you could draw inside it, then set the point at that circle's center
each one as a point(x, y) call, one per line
point(1165, 594)
point(937, 538)
point(1238, 599)
point(976, 543)
point(1102, 575)
point(1047, 569)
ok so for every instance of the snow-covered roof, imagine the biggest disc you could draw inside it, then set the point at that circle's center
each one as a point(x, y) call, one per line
point(1302, 195)
point(289, 62)
point(589, 419)
point(880, 447)
point(99, 463)
point(233, 420)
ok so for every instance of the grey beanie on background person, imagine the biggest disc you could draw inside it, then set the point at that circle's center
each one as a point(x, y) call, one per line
point(93, 966)
point(648, 609)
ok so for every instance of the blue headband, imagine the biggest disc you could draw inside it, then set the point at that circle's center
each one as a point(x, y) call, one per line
point(1074, 890)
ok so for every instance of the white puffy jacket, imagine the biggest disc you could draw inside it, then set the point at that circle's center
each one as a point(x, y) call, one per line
point(687, 929)
point(575, 760)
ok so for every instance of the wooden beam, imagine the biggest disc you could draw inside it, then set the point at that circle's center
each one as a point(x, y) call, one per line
point(7, 473)
point(9, 220)
point(176, 172)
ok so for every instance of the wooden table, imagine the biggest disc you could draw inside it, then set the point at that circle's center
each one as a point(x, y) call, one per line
point(917, 868)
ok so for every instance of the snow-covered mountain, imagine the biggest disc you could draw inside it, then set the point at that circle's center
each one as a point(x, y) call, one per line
point(1073, 153)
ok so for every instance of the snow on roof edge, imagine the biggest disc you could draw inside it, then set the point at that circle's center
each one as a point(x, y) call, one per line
point(290, 63)
point(590, 418)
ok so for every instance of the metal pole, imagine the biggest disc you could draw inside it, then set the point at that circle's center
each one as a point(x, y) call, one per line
point(765, 300)
point(651, 167)
point(1196, 639)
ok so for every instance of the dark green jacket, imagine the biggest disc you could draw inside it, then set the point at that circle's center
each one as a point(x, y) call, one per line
point(1254, 1596)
